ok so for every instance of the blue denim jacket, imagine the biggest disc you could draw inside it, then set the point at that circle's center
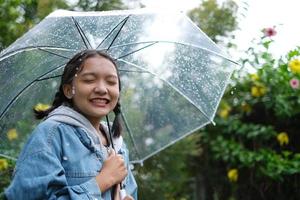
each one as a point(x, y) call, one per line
point(60, 161)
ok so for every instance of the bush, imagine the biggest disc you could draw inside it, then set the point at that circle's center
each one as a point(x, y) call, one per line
point(254, 147)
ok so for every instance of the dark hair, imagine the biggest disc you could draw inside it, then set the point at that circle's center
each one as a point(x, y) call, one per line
point(74, 66)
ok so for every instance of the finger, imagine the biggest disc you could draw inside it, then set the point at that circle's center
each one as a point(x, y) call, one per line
point(111, 152)
point(120, 157)
point(128, 198)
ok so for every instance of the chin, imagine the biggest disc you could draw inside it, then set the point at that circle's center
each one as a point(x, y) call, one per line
point(99, 114)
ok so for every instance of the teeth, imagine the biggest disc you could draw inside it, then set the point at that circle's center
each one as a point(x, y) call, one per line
point(100, 101)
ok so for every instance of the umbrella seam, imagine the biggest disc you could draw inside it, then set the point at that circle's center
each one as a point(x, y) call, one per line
point(172, 86)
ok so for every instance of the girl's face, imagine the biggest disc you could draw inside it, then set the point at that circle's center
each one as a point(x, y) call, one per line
point(95, 88)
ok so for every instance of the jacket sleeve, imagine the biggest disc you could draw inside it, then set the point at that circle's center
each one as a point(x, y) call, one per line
point(41, 176)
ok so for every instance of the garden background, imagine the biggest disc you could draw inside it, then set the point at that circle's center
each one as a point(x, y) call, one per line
point(251, 153)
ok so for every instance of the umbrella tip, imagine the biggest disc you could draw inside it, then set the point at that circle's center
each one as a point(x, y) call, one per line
point(142, 164)
point(213, 123)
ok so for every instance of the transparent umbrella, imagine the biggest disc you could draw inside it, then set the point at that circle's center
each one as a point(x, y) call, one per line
point(173, 76)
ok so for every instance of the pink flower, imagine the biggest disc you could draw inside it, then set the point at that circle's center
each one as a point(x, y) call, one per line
point(294, 83)
point(269, 32)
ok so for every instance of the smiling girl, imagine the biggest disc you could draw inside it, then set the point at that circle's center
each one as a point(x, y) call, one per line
point(69, 155)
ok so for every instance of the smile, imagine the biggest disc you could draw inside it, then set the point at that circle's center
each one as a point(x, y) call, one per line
point(99, 101)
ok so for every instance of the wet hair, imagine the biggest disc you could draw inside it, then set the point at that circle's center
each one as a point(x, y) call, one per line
point(74, 66)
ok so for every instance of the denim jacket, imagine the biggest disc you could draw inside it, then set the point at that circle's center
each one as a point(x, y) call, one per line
point(61, 161)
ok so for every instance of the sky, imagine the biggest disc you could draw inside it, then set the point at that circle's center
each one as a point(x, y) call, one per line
point(260, 14)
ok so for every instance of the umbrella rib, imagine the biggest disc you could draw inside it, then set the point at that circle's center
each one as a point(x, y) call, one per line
point(137, 50)
point(82, 34)
point(134, 71)
point(123, 21)
point(8, 157)
point(167, 82)
point(31, 48)
point(130, 134)
point(167, 145)
point(179, 43)
point(24, 88)
point(56, 54)
point(47, 78)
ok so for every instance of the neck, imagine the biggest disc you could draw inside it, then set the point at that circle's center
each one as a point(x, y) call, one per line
point(94, 121)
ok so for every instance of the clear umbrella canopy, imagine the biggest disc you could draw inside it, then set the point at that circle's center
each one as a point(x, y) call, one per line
point(173, 76)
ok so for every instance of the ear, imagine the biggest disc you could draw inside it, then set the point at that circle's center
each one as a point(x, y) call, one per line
point(67, 88)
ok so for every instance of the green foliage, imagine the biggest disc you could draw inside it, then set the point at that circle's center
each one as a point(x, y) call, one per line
point(18, 16)
point(214, 19)
point(257, 129)
point(5, 173)
point(98, 5)
point(166, 175)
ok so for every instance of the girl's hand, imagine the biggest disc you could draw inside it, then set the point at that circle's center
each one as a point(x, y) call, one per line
point(128, 197)
point(113, 171)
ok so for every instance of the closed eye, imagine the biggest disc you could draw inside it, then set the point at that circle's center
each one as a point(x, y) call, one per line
point(112, 80)
point(88, 80)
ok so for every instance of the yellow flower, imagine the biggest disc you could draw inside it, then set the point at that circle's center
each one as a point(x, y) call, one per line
point(3, 164)
point(41, 107)
point(258, 91)
point(12, 134)
point(283, 138)
point(246, 107)
point(262, 90)
point(233, 175)
point(294, 66)
point(254, 77)
point(224, 111)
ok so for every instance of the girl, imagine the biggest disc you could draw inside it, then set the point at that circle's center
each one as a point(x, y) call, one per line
point(69, 154)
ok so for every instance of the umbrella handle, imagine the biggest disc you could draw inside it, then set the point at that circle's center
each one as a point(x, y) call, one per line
point(122, 193)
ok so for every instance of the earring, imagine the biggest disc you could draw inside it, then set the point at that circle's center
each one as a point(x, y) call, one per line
point(73, 90)
point(70, 96)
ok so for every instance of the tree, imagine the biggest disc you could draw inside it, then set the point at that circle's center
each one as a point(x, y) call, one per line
point(99, 5)
point(217, 21)
point(18, 16)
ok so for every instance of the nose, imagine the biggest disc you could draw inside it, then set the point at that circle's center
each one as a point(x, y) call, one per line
point(100, 88)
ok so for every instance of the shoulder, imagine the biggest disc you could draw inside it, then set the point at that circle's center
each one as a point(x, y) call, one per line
point(47, 136)
point(49, 130)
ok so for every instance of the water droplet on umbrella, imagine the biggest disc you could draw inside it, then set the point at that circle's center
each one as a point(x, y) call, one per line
point(65, 158)
point(149, 141)
point(131, 167)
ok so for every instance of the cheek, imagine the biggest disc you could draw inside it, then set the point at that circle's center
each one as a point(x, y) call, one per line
point(115, 94)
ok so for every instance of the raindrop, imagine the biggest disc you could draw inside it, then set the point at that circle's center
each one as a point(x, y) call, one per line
point(232, 91)
point(65, 158)
point(53, 84)
point(149, 141)
point(131, 167)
